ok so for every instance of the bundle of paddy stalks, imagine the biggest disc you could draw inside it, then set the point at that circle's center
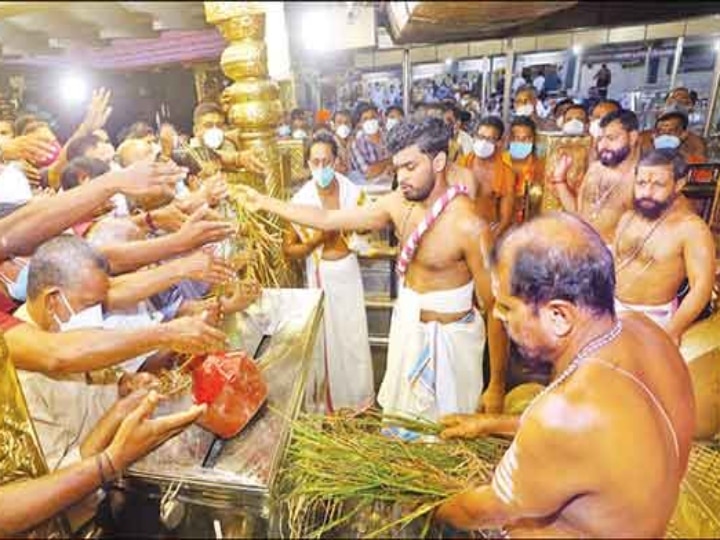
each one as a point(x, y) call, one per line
point(342, 477)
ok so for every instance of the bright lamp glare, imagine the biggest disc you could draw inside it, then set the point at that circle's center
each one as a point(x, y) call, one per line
point(314, 31)
point(576, 49)
point(73, 88)
point(717, 44)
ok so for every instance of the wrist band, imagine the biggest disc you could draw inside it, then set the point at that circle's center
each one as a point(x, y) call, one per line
point(112, 467)
point(103, 481)
point(150, 222)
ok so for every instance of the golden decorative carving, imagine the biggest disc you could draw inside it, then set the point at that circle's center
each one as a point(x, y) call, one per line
point(21, 457)
point(254, 111)
point(243, 59)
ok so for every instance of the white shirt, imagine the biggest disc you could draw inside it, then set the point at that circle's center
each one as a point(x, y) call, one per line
point(539, 83)
point(63, 410)
point(518, 83)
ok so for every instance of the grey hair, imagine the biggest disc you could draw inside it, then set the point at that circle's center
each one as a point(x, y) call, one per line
point(56, 264)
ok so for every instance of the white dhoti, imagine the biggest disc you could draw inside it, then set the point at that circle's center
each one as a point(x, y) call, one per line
point(660, 314)
point(348, 364)
point(347, 369)
point(433, 369)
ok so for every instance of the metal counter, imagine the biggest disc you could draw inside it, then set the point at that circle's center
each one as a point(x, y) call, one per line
point(209, 477)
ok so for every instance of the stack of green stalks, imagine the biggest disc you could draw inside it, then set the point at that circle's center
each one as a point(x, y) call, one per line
point(342, 477)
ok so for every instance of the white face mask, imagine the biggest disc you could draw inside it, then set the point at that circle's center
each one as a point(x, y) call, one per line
point(343, 131)
point(391, 123)
point(299, 134)
point(595, 129)
point(91, 317)
point(371, 127)
point(213, 138)
point(525, 110)
point(483, 149)
point(284, 130)
point(573, 127)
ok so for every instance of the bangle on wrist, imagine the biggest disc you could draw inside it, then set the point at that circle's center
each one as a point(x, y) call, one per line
point(150, 222)
point(113, 470)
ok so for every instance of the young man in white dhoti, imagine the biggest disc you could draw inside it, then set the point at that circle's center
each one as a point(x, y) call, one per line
point(659, 244)
point(437, 337)
point(331, 265)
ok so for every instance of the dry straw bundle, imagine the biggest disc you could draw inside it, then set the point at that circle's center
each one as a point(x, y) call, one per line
point(343, 478)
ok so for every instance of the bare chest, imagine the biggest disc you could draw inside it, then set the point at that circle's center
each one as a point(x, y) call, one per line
point(438, 248)
point(606, 193)
point(643, 242)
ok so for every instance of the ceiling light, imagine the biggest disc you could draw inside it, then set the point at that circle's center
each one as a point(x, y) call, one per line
point(577, 49)
point(73, 88)
point(315, 35)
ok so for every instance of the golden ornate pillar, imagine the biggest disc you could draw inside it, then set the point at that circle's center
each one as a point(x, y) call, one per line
point(253, 107)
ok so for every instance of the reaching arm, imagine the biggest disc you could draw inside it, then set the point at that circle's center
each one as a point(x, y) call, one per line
point(27, 503)
point(476, 245)
point(25, 229)
point(544, 467)
point(195, 232)
point(129, 289)
point(699, 255)
point(77, 351)
point(370, 217)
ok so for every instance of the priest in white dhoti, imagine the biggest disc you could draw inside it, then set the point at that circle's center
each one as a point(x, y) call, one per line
point(332, 265)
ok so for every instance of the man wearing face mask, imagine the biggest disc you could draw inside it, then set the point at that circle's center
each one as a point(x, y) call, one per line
point(299, 125)
point(671, 133)
point(528, 167)
point(660, 243)
point(526, 104)
point(393, 116)
point(559, 110)
point(342, 125)
point(68, 284)
point(574, 120)
point(494, 179)
point(606, 191)
point(369, 155)
point(442, 267)
point(209, 132)
point(330, 264)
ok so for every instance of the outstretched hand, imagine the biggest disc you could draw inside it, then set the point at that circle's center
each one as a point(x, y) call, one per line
point(139, 433)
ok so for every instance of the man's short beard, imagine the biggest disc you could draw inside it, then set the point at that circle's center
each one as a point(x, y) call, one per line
point(654, 211)
point(421, 195)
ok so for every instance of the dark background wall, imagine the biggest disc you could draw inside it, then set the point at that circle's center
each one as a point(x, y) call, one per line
point(136, 95)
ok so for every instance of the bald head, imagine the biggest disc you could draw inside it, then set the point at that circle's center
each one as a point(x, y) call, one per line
point(557, 256)
point(133, 150)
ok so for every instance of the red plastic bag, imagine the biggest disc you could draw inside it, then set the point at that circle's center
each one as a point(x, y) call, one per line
point(233, 388)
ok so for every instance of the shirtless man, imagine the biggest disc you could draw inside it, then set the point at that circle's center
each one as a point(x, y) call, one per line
point(660, 243)
point(437, 279)
point(494, 185)
point(606, 192)
point(602, 451)
point(597, 113)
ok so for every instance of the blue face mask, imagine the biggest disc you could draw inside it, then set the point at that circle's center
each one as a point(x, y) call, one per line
point(17, 289)
point(520, 150)
point(323, 176)
point(666, 142)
